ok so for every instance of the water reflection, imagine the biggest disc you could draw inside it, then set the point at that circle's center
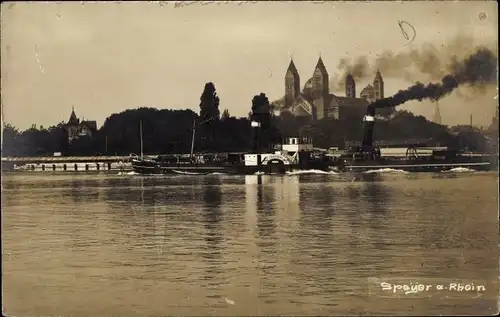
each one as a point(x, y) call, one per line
point(297, 245)
point(251, 193)
point(370, 196)
point(159, 228)
point(266, 213)
point(376, 199)
point(287, 202)
point(212, 222)
point(260, 195)
point(260, 199)
point(82, 190)
point(124, 191)
point(365, 217)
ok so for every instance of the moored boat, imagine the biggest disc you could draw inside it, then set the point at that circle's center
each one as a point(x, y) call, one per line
point(293, 154)
point(187, 164)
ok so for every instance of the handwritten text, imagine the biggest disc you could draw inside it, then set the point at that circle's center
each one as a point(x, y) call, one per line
point(413, 288)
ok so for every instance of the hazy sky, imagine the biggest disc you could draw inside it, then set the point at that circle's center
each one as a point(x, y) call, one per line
point(103, 58)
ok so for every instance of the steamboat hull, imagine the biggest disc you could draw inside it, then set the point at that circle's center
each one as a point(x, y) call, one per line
point(429, 166)
point(150, 168)
point(181, 169)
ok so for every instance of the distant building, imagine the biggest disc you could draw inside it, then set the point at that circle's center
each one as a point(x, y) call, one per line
point(315, 100)
point(375, 92)
point(437, 114)
point(494, 123)
point(77, 129)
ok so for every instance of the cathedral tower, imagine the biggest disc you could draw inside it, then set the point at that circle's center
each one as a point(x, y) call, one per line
point(320, 80)
point(320, 89)
point(378, 86)
point(350, 87)
point(292, 84)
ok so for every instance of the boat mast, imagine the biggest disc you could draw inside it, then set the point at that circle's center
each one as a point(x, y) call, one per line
point(192, 139)
point(194, 129)
point(140, 124)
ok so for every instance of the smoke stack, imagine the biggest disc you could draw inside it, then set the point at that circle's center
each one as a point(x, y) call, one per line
point(470, 120)
point(255, 125)
point(368, 125)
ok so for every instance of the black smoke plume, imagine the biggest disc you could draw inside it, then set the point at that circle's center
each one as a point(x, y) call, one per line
point(477, 70)
point(427, 59)
point(358, 68)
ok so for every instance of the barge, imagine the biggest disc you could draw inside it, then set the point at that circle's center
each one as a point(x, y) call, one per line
point(415, 159)
point(440, 160)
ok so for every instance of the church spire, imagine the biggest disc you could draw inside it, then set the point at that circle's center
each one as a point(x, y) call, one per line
point(320, 65)
point(320, 89)
point(378, 86)
point(72, 118)
point(292, 84)
point(291, 66)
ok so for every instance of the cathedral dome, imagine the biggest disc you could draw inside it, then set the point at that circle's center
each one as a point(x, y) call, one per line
point(308, 87)
point(368, 93)
point(367, 89)
point(308, 84)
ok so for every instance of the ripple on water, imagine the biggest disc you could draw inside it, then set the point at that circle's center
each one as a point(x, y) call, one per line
point(221, 245)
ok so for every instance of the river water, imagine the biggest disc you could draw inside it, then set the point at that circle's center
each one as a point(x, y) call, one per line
point(319, 244)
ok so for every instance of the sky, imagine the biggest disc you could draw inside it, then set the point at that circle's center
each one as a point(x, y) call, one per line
point(103, 58)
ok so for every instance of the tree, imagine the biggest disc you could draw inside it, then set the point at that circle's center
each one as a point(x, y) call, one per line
point(225, 115)
point(209, 103)
point(260, 105)
point(10, 137)
point(261, 112)
point(209, 110)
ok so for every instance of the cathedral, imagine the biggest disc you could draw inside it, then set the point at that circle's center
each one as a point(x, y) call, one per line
point(316, 102)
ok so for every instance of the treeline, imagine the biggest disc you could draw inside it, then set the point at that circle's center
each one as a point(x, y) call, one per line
point(35, 141)
point(163, 131)
point(170, 131)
